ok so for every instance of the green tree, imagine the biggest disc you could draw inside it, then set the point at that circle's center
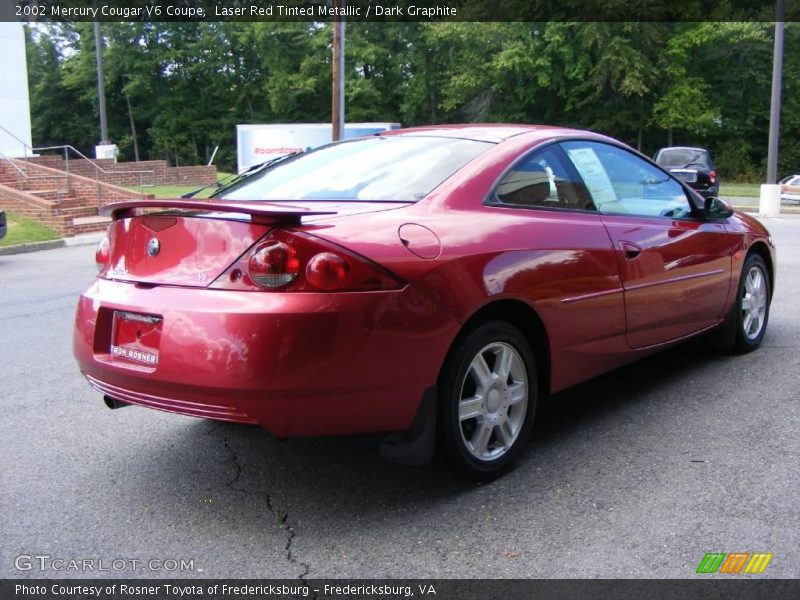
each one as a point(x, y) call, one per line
point(59, 114)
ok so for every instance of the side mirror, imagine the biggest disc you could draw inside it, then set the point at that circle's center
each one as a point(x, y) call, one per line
point(717, 208)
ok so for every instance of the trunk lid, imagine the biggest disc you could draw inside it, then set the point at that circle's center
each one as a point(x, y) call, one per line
point(192, 242)
point(177, 250)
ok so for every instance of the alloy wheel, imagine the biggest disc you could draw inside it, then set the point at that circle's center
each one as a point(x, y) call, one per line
point(493, 401)
point(754, 302)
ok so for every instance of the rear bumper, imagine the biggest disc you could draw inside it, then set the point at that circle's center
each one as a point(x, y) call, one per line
point(296, 364)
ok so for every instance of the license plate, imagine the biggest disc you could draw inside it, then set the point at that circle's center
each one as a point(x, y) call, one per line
point(136, 337)
point(687, 176)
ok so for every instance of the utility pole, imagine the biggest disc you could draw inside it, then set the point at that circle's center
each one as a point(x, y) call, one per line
point(101, 83)
point(775, 106)
point(337, 94)
point(770, 200)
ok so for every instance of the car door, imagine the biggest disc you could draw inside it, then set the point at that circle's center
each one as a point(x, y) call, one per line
point(675, 264)
point(558, 257)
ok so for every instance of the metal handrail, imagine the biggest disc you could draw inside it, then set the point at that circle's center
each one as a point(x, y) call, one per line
point(97, 168)
point(23, 142)
point(25, 147)
point(66, 148)
point(11, 162)
point(27, 177)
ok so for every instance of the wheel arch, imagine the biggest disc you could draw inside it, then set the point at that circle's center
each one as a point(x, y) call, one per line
point(525, 318)
point(761, 248)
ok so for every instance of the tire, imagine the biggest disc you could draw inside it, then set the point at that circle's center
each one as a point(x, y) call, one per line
point(487, 401)
point(751, 307)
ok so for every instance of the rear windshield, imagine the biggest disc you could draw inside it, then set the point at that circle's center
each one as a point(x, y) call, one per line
point(403, 168)
point(683, 157)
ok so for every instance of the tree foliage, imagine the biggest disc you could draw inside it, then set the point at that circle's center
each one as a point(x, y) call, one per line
point(177, 90)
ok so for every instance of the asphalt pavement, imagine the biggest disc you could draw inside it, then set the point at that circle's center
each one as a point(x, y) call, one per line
point(638, 473)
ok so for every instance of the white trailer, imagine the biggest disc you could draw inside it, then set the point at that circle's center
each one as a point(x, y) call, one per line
point(256, 144)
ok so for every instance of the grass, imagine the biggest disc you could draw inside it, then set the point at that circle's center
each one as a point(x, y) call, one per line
point(174, 191)
point(22, 231)
point(749, 190)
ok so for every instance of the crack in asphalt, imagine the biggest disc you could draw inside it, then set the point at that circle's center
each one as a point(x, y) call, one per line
point(236, 463)
point(282, 516)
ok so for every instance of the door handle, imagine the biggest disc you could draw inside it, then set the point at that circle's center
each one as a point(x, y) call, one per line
point(631, 250)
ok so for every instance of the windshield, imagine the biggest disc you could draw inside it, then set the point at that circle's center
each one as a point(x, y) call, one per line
point(402, 168)
point(683, 157)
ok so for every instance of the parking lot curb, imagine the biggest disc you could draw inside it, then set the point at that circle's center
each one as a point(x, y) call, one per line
point(79, 240)
point(32, 247)
point(785, 210)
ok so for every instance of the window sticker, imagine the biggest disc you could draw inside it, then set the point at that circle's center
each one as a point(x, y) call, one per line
point(594, 175)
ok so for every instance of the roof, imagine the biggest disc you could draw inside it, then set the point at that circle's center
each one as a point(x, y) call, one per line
point(484, 132)
point(683, 148)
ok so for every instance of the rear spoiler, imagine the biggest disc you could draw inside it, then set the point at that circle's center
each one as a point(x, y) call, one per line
point(260, 211)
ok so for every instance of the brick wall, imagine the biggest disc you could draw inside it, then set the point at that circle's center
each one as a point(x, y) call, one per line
point(155, 172)
point(85, 187)
point(27, 205)
point(59, 209)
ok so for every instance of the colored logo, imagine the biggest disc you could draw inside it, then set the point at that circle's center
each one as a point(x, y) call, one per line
point(153, 247)
point(734, 563)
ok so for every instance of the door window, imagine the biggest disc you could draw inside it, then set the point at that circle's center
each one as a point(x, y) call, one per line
point(621, 183)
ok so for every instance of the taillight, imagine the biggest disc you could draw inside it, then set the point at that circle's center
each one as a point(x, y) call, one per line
point(327, 271)
point(273, 264)
point(713, 176)
point(102, 255)
point(294, 261)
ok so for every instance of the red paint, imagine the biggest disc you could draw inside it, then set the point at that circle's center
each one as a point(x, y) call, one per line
point(607, 290)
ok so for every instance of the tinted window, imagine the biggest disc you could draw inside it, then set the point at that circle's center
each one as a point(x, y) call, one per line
point(621, 183)
point(681, 158)
point(544, 178)
point(377, 168)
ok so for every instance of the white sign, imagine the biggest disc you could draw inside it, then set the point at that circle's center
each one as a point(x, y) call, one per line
point(594, 175)
point(256, 144)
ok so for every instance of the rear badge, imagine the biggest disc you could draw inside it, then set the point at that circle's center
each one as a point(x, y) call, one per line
point(153, 247)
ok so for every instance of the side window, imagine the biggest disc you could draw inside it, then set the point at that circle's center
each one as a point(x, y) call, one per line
point(621, 183)
point(544, 178)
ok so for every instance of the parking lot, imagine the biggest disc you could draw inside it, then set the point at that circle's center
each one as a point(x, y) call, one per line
point(636, 474)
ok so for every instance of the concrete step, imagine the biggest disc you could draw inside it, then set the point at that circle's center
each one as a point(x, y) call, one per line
point(75, 202)
point(95, 220)
point(78, 211)
point(38, 191)
point(84, 225)
point(38, 185)
point(55, 195)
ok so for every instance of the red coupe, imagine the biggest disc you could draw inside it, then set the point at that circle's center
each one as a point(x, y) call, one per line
point(431, 283)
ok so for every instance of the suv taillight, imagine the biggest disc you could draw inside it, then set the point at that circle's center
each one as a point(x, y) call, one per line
point(294, 261)
point(713, 176)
